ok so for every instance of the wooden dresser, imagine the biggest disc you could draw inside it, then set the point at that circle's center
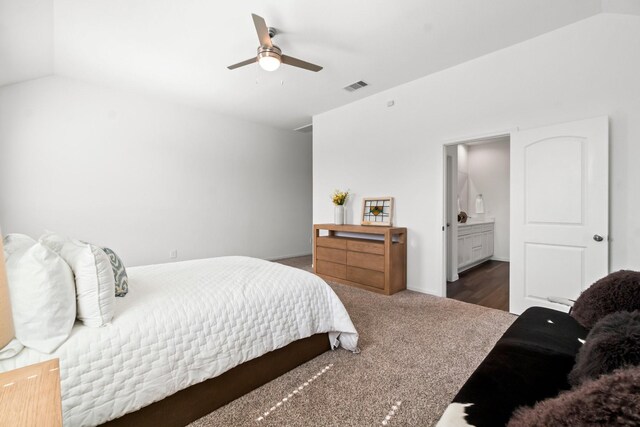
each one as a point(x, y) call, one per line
point(363, 261)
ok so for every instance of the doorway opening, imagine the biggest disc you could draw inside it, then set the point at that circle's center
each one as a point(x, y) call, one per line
point(477, 202)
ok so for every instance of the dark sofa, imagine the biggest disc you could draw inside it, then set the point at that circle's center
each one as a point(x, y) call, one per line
point(555, 369)
point(529, 363)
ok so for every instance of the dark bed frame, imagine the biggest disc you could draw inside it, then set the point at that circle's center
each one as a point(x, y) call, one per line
point(200, 399)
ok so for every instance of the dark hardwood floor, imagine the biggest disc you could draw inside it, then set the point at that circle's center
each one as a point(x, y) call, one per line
point(486, 284)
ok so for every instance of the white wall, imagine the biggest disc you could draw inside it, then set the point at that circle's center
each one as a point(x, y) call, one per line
point(145, 177)
point(588, 69)
point(488, 165)
point(26, 40)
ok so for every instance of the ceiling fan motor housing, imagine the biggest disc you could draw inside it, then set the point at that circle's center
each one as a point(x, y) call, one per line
point(273, 51)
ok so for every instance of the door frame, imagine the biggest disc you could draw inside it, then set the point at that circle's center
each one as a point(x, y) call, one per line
point(446, 146)
point(450, 226)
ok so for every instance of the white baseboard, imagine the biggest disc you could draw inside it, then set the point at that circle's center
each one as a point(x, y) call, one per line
point(422, 291)
point(499, 258)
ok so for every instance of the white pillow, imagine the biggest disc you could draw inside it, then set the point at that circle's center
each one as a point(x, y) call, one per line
point(11, 346)
point(15, 242)
point(8, 351)
point(42, 295)
point(95, 283)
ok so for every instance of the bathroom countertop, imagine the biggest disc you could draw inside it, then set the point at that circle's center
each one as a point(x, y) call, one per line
point(471, 221)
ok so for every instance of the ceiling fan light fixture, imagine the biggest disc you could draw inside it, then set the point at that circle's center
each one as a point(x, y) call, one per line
point(269, 58)
point(269, 63)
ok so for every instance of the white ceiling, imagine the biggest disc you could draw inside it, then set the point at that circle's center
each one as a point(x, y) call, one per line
point(179, 50)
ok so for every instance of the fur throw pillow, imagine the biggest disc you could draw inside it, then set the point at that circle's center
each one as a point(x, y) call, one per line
point(616, 292)
point(614, 342)
point(612, 400)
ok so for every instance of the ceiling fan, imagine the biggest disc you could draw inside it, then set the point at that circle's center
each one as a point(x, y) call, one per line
point(269, 55)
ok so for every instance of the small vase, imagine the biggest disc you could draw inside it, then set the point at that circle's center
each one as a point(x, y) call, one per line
point(338, 214)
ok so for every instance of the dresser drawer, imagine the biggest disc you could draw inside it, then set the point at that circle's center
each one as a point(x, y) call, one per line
point(366, 277)
point(332, 242)
point(366, 246)
point(334, 255)
point(363, 260)
point(331, 269)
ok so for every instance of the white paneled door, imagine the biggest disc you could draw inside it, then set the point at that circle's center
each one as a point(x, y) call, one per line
point(559, 211)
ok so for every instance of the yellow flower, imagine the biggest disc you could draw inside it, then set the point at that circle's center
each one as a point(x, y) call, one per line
point(339, 197)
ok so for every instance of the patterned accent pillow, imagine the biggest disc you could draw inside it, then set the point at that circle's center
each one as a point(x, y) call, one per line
point(119, 273)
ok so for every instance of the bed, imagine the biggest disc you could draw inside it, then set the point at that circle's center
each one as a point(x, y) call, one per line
point(188, 324)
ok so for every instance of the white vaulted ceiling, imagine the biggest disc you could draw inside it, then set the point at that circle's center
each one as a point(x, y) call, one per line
point(179, 50)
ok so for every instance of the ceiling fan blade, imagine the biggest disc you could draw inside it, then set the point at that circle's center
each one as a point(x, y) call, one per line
point(290, 60)
point(243, 63)
point(262, 30)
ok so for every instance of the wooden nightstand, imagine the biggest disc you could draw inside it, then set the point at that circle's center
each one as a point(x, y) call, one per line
point(30, 396)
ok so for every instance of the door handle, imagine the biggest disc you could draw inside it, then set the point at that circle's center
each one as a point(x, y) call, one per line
point(598, 238)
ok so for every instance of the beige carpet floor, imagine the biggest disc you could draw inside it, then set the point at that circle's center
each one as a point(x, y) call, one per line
point(416, 352)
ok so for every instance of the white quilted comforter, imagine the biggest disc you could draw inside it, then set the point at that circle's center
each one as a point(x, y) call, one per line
point(183, 323)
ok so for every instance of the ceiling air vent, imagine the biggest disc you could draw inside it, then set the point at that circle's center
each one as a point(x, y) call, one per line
point(355, 86)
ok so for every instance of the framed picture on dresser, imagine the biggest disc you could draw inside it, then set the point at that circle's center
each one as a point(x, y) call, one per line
point(377, 211)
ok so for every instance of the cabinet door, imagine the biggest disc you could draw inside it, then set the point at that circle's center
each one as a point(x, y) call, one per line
point(464, 250)
point(477, 254)
point(476, 240)
point(490, 238)
point(485, 245)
